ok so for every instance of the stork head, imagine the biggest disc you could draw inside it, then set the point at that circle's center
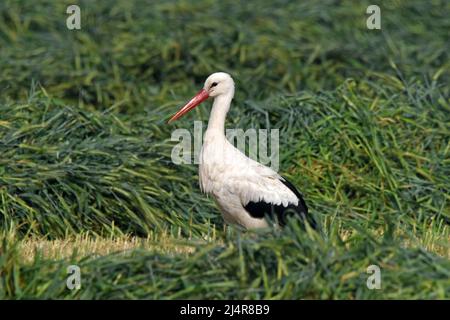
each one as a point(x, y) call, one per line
point(217, 84)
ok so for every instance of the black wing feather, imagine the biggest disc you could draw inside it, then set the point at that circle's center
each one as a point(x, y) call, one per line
point(260, 209)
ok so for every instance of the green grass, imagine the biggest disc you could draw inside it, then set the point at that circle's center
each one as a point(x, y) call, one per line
point(287, 265)
point(364, 119)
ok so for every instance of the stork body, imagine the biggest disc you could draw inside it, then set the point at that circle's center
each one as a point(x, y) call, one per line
point(245, 191)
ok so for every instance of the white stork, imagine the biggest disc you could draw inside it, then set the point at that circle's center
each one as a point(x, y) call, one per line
point(245, 191)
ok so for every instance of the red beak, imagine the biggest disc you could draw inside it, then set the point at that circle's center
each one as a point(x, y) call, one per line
point(201, 96)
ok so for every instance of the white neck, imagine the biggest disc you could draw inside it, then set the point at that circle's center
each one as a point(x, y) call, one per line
point(219, 112)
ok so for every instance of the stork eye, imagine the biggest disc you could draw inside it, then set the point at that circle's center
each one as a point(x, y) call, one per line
point(214, 84)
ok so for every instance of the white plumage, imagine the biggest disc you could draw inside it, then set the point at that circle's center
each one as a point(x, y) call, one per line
point(233, 179)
